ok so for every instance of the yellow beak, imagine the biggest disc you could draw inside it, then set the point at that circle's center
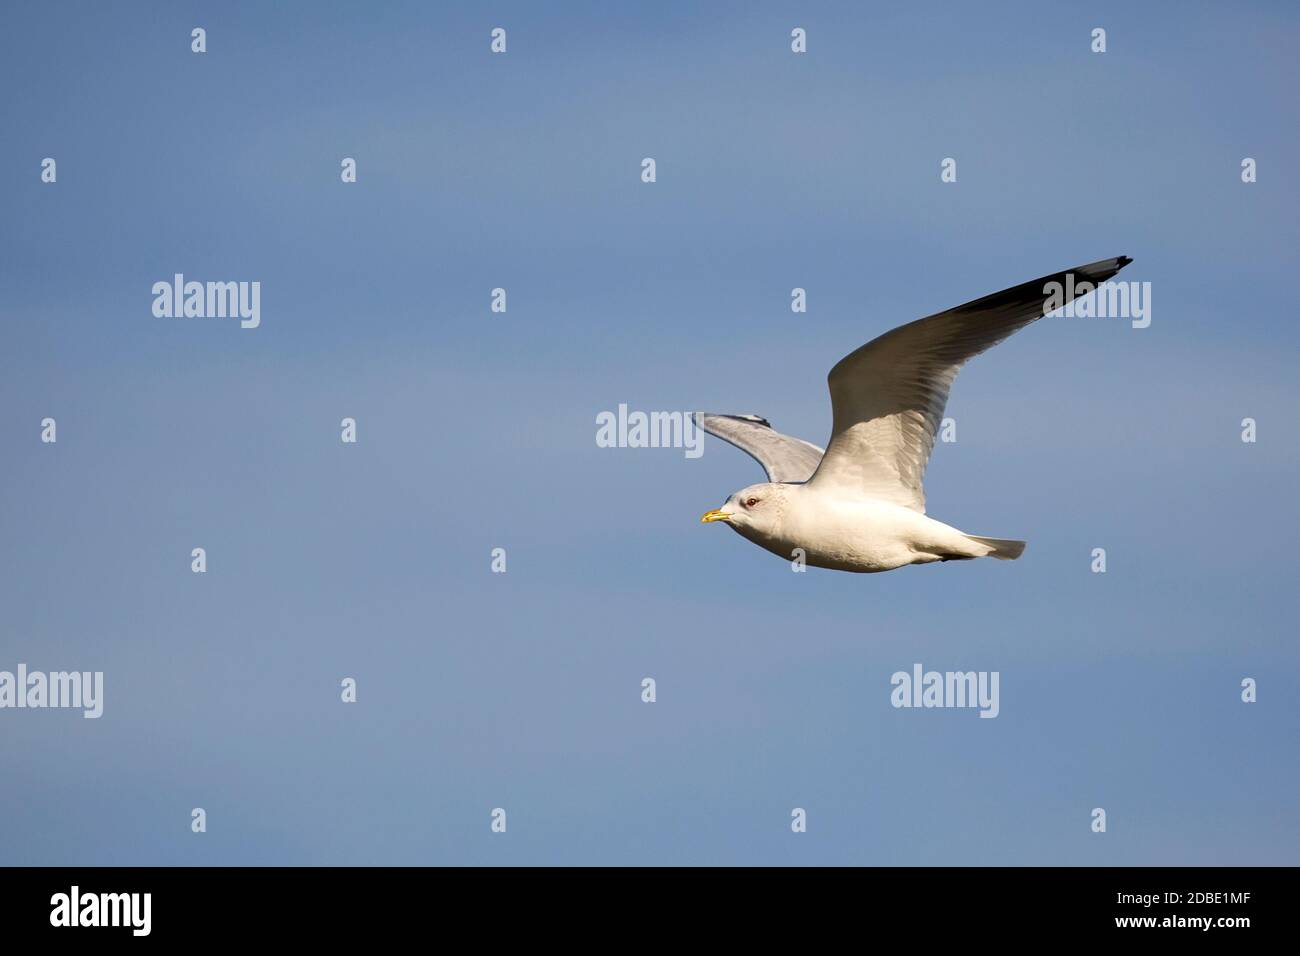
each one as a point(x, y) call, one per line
point(715, 515)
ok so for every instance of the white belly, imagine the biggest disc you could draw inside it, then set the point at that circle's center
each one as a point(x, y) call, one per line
point(861, 535)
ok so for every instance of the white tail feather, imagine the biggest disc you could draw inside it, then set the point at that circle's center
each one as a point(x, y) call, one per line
point(1004, 549)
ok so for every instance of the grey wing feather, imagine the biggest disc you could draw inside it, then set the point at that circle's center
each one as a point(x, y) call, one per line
point(785, 458)
point(888, 397)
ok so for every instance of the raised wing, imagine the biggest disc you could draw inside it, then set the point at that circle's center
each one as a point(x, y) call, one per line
point(888, 396)
point(785, 459)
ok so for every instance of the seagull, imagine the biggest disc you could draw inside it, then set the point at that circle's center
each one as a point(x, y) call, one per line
point(859, 505)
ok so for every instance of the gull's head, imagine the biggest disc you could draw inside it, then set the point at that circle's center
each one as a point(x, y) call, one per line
point(755, 509)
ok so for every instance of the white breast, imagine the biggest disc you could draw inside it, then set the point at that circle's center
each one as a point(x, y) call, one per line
point(856, 534)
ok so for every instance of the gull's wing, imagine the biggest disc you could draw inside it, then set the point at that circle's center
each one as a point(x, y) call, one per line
point(888, 396)
point(785, 459)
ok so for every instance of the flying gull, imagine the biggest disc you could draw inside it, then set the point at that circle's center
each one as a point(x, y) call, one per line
point(859, 506)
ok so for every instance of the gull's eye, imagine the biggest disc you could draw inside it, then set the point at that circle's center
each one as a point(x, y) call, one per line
point(750, 502)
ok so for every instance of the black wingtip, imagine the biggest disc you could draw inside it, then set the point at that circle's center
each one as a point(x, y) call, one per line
point(1122, 261)
point(752, 419)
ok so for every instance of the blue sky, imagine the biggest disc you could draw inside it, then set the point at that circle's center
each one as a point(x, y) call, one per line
point(476, 430)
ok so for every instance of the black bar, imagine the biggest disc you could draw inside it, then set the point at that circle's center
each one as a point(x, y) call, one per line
point(329, 905)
